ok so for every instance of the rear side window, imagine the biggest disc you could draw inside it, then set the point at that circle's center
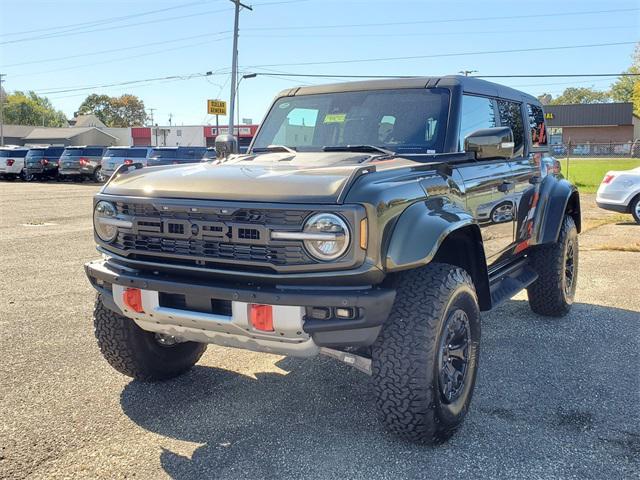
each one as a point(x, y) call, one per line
point(477, 113)
point(511, 116)
point(536, 126)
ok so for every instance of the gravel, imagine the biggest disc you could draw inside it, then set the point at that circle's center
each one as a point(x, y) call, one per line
point(555, 398)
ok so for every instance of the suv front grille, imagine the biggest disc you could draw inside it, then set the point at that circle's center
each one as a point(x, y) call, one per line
point(208, 235)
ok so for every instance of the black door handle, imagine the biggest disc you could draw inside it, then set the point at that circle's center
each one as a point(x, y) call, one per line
point(505, 187)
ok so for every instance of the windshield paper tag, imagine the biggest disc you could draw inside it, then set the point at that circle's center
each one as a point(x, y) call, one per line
point(335, 118)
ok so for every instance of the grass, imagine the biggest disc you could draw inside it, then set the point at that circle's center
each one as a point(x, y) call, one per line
point(587, 173)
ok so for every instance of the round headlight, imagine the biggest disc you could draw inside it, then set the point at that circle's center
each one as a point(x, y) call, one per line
point(328, 236)
point(105, 229)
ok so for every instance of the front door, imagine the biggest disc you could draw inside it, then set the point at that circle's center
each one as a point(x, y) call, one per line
point(489, 191)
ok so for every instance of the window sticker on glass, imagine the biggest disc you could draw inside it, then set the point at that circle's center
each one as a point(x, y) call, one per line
point(284, 105)
point(335, 117)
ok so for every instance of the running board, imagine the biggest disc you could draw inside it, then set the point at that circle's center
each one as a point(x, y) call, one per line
point(507, 284)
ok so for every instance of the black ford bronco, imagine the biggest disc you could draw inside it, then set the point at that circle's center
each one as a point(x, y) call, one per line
point(370, 221)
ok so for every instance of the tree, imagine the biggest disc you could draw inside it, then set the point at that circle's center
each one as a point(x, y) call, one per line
point(574, 95)
point(623, 89)
point(30, 109)
point(124, 111)
point(545, 98)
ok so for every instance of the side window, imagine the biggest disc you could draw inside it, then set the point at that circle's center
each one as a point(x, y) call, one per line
point(511, 116)
point(477, 113)
point(536, 126)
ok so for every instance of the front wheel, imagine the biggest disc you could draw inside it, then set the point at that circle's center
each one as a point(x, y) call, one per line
point(556, 264)
point(98, 176)
point(140, 354)
point(425, 360)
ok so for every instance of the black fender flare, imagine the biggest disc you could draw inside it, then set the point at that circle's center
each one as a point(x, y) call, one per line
point(556, 197)
point(419, 232)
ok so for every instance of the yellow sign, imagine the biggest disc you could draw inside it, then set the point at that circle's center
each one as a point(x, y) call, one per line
point(548, 116)
point(216, 107)
point(335, 117)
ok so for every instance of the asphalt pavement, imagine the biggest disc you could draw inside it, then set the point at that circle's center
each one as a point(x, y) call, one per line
point(555, 398)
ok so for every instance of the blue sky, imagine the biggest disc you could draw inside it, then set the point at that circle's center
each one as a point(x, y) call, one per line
point(191, 37)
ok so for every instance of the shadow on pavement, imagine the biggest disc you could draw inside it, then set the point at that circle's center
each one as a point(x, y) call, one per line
point(554, 398)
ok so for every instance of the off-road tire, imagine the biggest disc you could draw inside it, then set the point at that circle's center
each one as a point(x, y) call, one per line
point(136, 352)
point(548, 295)
point(633, 206)
point(405, 356)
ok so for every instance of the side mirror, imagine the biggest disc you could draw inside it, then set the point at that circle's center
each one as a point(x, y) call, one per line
point(226, 145)
point(490, 143)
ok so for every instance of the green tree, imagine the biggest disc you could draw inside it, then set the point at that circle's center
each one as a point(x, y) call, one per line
point(22, 108)
point(573, 95)
point(623, 89)
point(124, 111)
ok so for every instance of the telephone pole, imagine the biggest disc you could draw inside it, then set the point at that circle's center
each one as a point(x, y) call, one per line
point(234, 62)
point(466, 73)
point(151, 115)
point(1, 111)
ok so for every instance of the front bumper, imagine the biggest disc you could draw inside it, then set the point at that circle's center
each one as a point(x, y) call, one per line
point(295, 333)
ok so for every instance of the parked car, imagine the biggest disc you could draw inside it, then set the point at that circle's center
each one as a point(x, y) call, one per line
point(116, 156)
point(12, 162)
point(42, 162)
point(175, 155)
point(210, 154)
point(620, 192)
point(359, 240)
point(82, 162)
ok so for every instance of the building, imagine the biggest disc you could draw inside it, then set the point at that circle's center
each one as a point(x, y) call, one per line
point(244, 134)
point(593, 123)
point(14, 134)
point(69, 136)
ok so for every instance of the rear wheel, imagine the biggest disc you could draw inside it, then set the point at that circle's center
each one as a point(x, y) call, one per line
point(140, 354)
point(556, 264)
point(635, 209)
point(424, 362)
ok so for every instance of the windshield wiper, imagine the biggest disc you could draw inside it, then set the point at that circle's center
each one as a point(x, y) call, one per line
point(274, 148)
point(357, 148)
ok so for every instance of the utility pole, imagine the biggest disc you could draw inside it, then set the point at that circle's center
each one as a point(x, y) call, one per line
point(466, 73)
point(170, 117)
point(234, 63)
point(1, 111)
point(151, 115)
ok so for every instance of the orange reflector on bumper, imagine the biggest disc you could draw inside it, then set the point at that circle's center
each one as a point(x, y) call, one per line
point(261, 317)
point(132, 298)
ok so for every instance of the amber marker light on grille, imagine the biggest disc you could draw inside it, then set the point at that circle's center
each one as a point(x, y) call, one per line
point(364, 233)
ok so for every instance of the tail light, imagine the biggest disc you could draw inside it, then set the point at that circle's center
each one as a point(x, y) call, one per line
point(261, 317)
point(607, 179)
point(10, 162)
point(128, 161)
point(44, 161)
point(84, 161)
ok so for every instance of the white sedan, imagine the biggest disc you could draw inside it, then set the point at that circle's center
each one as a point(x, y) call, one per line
point(620, 192)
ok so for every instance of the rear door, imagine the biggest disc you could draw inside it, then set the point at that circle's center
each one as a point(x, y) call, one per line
point(488, 184)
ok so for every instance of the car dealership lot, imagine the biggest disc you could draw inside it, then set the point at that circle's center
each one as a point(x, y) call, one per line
point(554, 398)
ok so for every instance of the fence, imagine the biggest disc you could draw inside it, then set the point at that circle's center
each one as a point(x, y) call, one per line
point(585, 164)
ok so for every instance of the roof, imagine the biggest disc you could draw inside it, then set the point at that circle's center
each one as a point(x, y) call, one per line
point(589, 114)
point(89, 120)
point(64, 133)
point(17, 131)
point(466, 84)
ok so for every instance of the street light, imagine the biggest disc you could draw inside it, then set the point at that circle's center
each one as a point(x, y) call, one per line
point(246, 75)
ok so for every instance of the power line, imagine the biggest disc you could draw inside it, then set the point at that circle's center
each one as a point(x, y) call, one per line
point(452, 20)
point(441, 55)
point(112, 50)
point(536, 75)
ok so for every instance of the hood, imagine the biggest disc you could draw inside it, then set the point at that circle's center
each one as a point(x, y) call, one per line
point(306, 177)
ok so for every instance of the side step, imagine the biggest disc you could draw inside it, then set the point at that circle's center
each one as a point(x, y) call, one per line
point(510, 281)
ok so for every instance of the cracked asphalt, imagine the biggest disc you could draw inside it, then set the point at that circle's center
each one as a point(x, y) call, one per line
point(555, 398)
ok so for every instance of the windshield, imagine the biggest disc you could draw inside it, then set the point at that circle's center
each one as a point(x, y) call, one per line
point(126, 152)
point(13, 153)
point(404, 120)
